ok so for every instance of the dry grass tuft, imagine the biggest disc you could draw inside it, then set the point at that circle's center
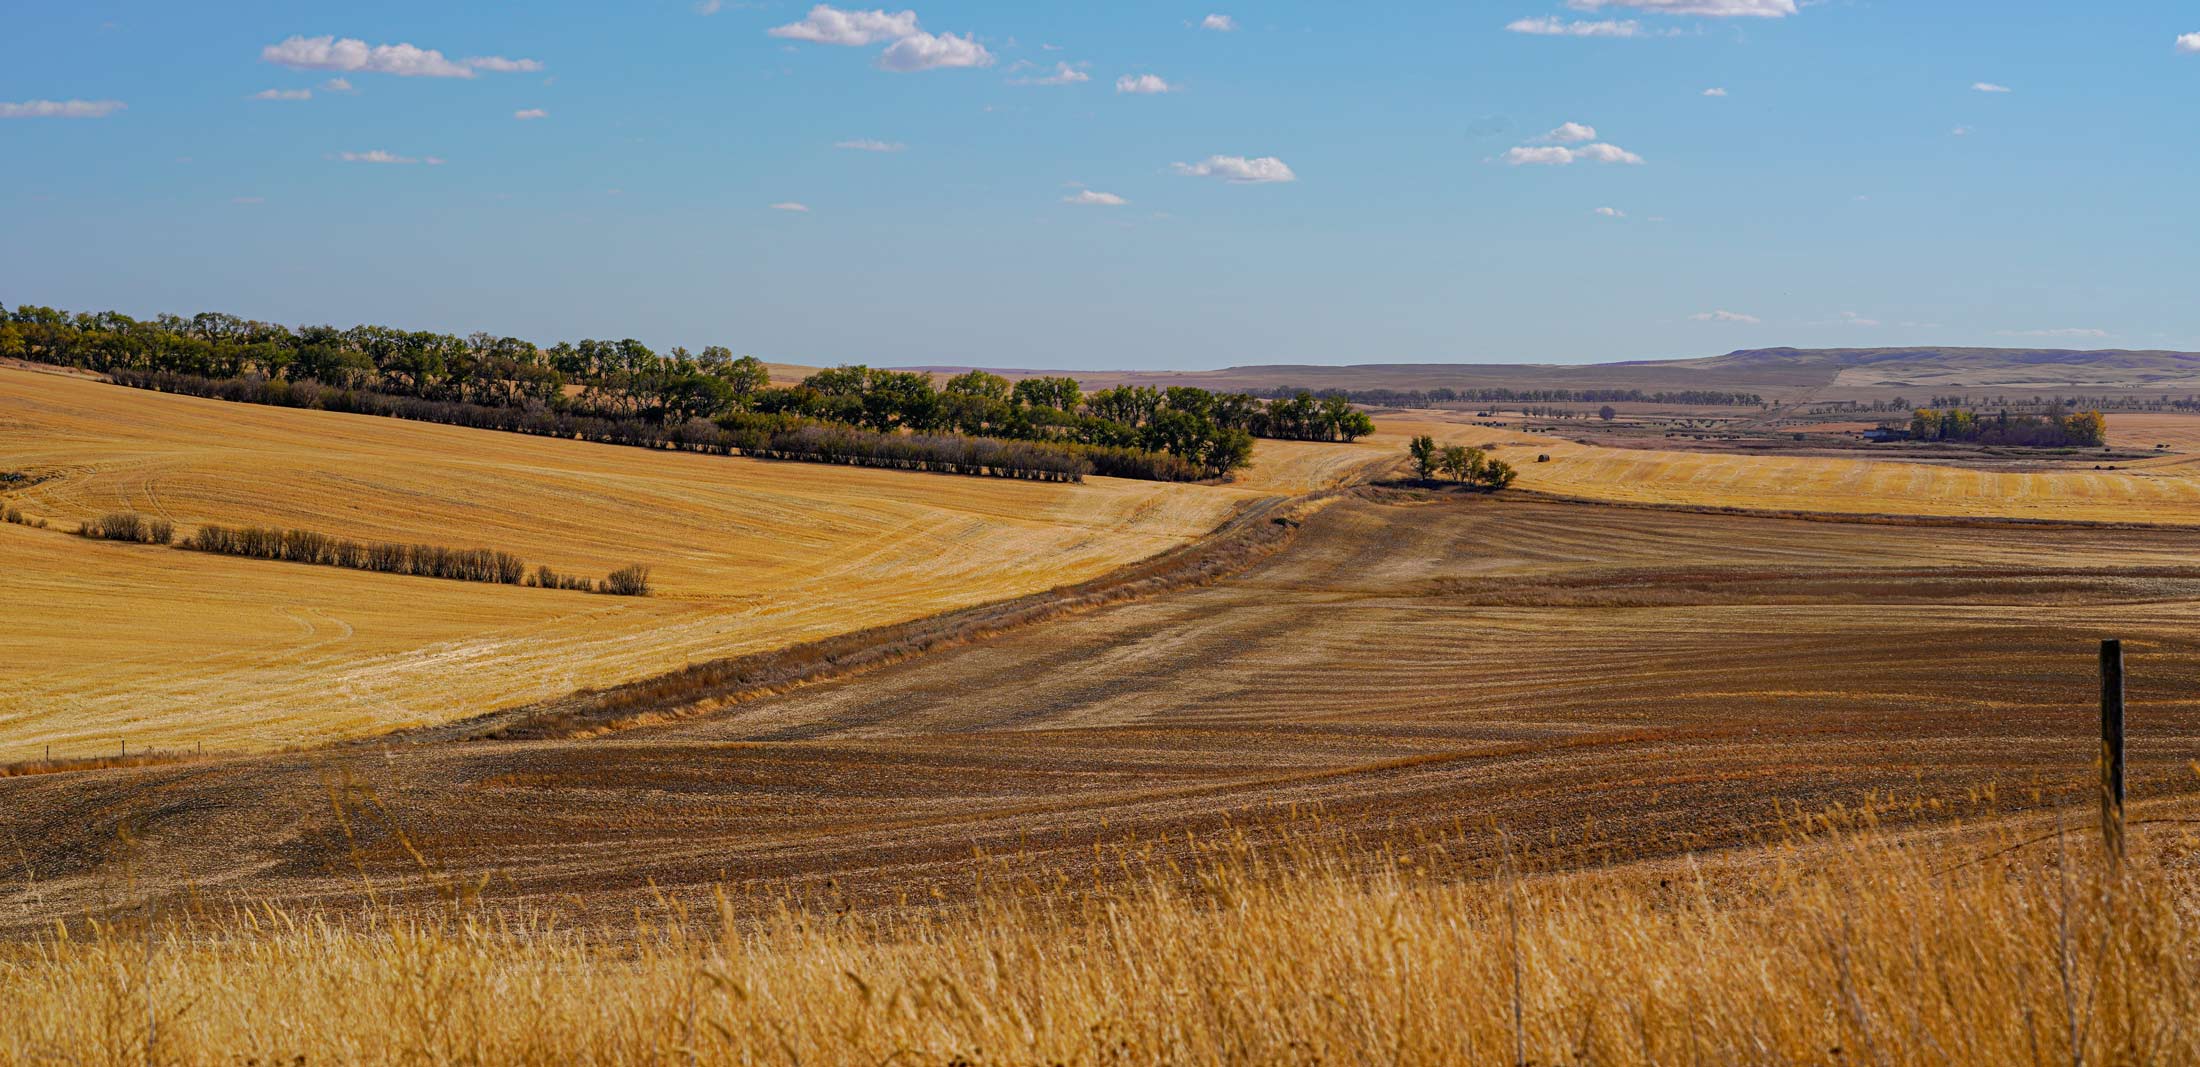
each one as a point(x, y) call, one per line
point(1862, 951)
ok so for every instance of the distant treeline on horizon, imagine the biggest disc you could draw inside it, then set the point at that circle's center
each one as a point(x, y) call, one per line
point(623, 392)
point(1421, 398)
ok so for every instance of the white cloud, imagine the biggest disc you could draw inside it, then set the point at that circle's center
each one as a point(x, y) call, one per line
point(61, 109)
point(351, 54)
point(1850, 318)
point(924, 51)
point(827, 24)
point(1570, 133)
point(529, 113)
point(501, 65)
point(1723, 315)
point(1961, 131)
point(1606, 153)
point(709, 7)
point(1143, 84)
point(1714, 92)
point(1553, 26)
point(1064, 74)
point(2189, 44)
point(1990, 87)
point(868, 145)
point(2066, 332)
point(1559, 156)
point(1709, 8)
point(380, 156)
point(338, 85)
point(790, 205)
point(283, 94)
point(1552, 156)
point(1218, 23)
point(1238, 170)
point(1611, 213)
point(1095, 198)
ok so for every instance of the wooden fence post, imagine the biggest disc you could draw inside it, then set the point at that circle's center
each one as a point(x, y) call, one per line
point(2112, 748)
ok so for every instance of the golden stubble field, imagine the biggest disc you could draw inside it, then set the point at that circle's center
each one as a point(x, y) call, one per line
point(2159, 489)
point(163, 648)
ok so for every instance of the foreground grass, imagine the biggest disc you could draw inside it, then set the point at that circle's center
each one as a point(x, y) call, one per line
point(1876, 954)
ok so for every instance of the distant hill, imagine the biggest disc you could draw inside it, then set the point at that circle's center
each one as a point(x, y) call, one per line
point(1790, 374)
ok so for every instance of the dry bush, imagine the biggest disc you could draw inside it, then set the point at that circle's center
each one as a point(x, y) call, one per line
point(1877, 954)
point(630, 580)
point(129, 526)
point(319, 549)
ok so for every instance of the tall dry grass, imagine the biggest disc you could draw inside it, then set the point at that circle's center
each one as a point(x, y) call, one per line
point(1872, 953)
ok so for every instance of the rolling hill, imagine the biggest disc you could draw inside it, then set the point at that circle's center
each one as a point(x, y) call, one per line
point(1779, 374)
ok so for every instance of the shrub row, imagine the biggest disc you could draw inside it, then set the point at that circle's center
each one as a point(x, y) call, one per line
point(424, 561)
point(129, 526)
point(320, 549)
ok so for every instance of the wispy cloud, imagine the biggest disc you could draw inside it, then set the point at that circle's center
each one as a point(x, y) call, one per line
point(1706, 8)
point(1611, 213)
point(791, 205)
point(1218, 23)
point(283, 94)
point(1553, 26)
point(1143, 84)
point(338, 85)
point(1714, 92)
point(1064, 74)
point(501, 65)
point(529, 114)
point(2189, 44)
point(1990, 87)
point(379, 156)
point(61, 109)
point(868, 145)
point(2064, 332)
point(1560, 156)
point(1094, 198)
point(352, 55)
point(1723, 315)
point(1238, 170)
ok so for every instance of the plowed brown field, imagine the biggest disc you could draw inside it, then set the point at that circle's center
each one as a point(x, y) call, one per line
point(1614, 682)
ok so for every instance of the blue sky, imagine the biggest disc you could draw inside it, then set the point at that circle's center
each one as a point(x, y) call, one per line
point(1863, 179)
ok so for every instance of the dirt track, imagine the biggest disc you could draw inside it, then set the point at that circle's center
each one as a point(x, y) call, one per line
point(1613, 682)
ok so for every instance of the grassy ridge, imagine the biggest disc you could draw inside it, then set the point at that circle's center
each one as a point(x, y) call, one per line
point(1873, 954)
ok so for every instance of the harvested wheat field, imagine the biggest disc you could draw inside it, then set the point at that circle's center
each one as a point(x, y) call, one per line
point(158, 647)
point(2163, 489)
point(1610, 683)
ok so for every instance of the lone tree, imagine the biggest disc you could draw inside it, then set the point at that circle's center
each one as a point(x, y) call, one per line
point(1607, 413)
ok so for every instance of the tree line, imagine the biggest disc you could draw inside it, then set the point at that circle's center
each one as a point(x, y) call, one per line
point(1422, 398)
point(623, 391)
point(2075, 430)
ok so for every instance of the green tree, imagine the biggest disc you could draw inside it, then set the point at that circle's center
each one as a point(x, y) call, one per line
point(1425, 456)
point(979, 385)
point(1460, 463)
